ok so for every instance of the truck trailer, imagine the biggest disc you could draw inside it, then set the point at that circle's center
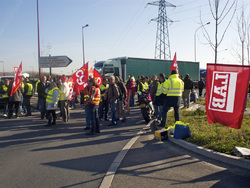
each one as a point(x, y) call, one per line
point(125, 66)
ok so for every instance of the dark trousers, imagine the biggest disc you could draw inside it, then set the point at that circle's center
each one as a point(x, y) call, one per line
point(42, 103)
point(51, 114)
point(103, 106)
point(6, 105)
point(14, 105)
point(26, 102)
point(200, 91)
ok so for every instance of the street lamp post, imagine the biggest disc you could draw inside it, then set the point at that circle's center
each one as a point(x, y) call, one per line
point(38, 36)
point(3, 66)
point(83, 55)
point(195, 39)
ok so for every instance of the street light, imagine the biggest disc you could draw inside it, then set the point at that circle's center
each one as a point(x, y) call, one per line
point(195, 39)
point(83, 56)
point(3, 66)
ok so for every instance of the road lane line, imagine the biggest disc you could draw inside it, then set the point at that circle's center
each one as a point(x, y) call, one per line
point(108, 178)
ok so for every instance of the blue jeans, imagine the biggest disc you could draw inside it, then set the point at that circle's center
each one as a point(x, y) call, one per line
point(113, 111)
point(87, 115)
point(42, 106)
point(103, 105)
point(132, 100)
point(93, 114)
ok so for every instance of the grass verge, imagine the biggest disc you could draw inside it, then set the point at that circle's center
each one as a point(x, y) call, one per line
point(213, 136)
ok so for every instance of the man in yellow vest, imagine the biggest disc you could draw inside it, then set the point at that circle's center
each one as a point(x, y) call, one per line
point(52, 102)
point(173, 89)
point(104, 104)
point(4, 92)
point(27, 94)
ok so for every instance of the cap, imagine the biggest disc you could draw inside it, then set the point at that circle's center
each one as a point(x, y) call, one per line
point(63, 78)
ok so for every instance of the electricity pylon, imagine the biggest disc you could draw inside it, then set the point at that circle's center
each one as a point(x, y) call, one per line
point(162, 45)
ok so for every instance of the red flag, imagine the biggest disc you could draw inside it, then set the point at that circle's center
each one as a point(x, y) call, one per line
point(175, 65)
point(226, 94)
point(17, 81)
point(97, 77)
point(78, 81)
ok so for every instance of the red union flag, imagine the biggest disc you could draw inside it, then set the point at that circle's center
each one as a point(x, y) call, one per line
point(97, 77)
point(175, 65)
point(226, 94)
point(78, 81)
point(18, 80)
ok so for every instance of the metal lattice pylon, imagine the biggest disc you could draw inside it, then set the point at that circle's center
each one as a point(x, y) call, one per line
point(162, 45)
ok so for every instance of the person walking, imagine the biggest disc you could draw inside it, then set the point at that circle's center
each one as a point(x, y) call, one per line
point(14, 101)
point(201, 85)
point(27, 94)
point(64, 99)
point(94, 100)
point(172, 88)
point(41, 87)
point(104, 105)
point(52, 103)
point(4, 92)
point(120, 112)
point(112, 96)
point(188, 86)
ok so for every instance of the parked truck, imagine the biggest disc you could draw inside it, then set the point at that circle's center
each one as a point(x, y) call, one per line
point(125, 66)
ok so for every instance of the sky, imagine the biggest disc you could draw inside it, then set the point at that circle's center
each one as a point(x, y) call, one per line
point(117, 28)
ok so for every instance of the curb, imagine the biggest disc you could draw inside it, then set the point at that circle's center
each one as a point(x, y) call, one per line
point(228, 159)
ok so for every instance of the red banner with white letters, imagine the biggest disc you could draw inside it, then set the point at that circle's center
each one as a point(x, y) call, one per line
point(226, 94)
point(18, 80)
point(78, 81)
point(97, 77)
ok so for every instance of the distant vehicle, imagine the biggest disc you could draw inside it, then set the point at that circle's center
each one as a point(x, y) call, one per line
point(2, 78)
point(125, 66)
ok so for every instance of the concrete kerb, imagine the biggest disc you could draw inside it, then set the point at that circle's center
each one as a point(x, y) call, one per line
point(232, 160)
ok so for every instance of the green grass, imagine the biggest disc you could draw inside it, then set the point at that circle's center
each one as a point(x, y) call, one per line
point(214, 136)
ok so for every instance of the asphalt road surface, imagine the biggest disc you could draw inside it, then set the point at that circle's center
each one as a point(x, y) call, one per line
point(32, 155)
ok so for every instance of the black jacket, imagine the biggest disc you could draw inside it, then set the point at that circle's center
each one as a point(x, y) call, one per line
point(41, 90)
point(188, 83)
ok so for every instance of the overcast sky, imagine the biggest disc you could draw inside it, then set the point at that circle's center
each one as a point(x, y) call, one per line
point(117, 28)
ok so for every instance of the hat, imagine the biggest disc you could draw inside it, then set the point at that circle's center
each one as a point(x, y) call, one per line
point(63, 78)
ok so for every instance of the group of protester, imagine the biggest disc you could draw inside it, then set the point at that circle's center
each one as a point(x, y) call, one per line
point(112, 95)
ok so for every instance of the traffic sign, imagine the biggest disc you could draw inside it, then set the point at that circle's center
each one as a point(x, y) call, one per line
point(54, 61)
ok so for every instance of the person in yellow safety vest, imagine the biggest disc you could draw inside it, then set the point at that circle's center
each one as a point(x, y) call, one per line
point(173, 89)
point(52, 103)
point(146, 84)
point(4, 92)
point(141, 86)
point(104, 104)
point(27, 94)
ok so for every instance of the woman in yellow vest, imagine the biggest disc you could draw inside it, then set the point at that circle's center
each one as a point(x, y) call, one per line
point(27, 94)
point(52, 103)
point(4, 92)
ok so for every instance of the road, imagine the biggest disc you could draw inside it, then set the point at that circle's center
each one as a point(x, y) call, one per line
point(32, 155)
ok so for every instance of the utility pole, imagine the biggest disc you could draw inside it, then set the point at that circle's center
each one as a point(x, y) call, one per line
point(162, 45)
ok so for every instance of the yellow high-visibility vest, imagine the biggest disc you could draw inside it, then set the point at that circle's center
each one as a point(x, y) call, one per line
point(5, 88)
point(49, 98)
point(30, 89)
point(159, 89)
point(174, 86)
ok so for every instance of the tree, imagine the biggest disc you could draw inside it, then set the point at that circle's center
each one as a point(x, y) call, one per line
point(219, 14)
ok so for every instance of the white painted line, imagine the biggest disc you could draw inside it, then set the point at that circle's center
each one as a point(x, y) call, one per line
point(108, 178)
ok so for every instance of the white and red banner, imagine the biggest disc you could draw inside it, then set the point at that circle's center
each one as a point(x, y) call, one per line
point(97, 77)
point(226, 94)
point(17, 81)
point(175, 65)
point(78, 81)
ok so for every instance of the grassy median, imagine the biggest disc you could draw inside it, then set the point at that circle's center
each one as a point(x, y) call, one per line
point(214, 136)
